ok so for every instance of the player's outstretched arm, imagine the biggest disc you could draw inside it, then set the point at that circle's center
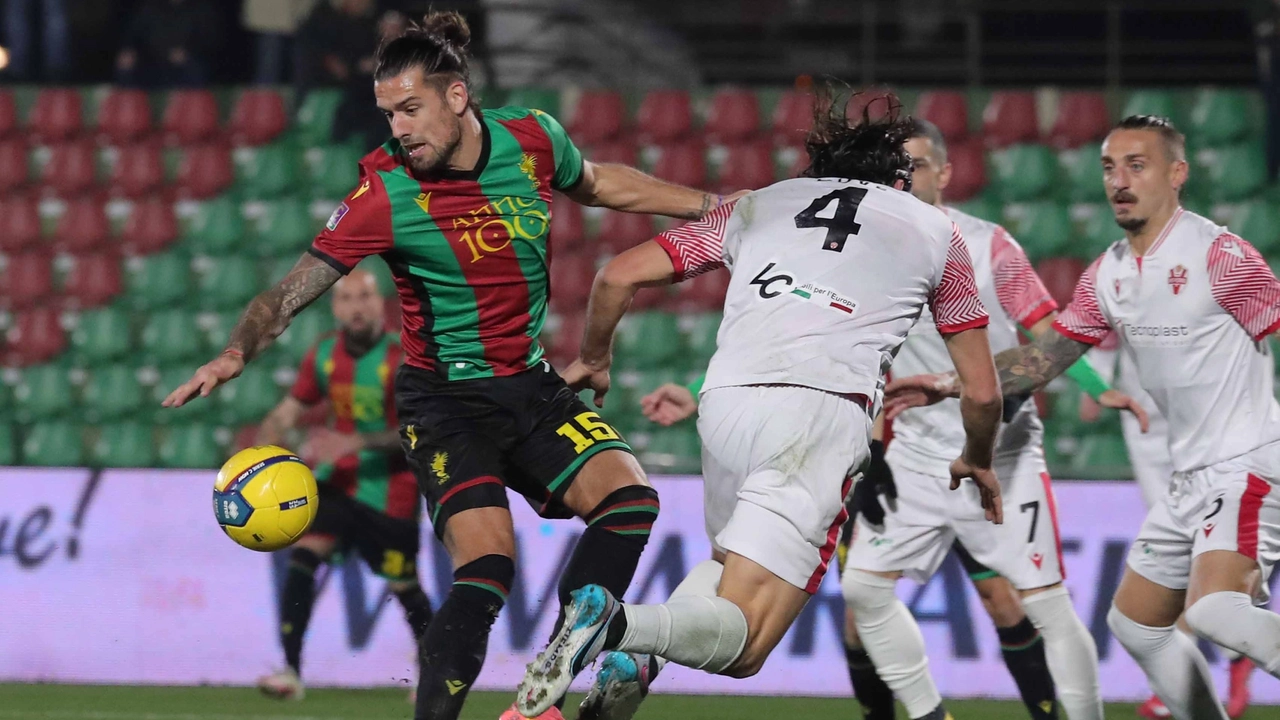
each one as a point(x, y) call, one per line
point(266, 317)
point(621, 187)
point(981, 406)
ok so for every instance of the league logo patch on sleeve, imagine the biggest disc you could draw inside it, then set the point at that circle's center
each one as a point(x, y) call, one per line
point(338, 213)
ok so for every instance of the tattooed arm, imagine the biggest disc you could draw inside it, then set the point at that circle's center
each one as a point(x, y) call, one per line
point(266, 317)
point(625, 188)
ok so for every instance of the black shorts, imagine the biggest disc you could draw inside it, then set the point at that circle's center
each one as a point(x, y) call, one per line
point(468, 440)
point(389, 545)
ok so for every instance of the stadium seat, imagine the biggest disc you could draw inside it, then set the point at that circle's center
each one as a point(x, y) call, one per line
point(701, 294)
point(566, 338)
point(8, 444)
point(250, 397)
point(205, 170)
point(257, 117)
point(621, 231)
point(190, 445)
point(1236, 173)
point(82, 227)
point(985, 206)
point(1152, 102)
point(94, 280)
point(333, 170)
point(619, 151)
point(1105, 455)
point(217, 227)
point(269, 171)
point(315, 116)
point(102, 335)
point(304, 331)
point(56, 116)
point(675, 449)
point(874, 101)
point(682, 164)
point(168, 379)
point(1060, 275)
point(699, 331)
point(665, 116)
point(1024, 172)
point(19, 223)
point(157, 281)
point(170, 337)
point(53, 444)
point(599, 116)
point(571, 278)
point(14, 170)
point(1043, 228)
point(124, 116)
point(747, 167)
point(568, 229)
point(150, 227)
point(1082, 118)
point(968, 169)
point(71, 169)
point(1083, 173)
point(226, 283)
point(43, 392)
point(286, 228)
point(1097, 232)
point(648, 340)
point(26, 280)
point(139, 171)
point(126, 444)
point(1010, 118)
point(544, 99)
point(34, 336)
point(190, 117)
point(792, 118)
point(1220, 117)
point(111, 393)
point(1259, 223)
point(734, 116)
point(8, 114)
point(948, 109)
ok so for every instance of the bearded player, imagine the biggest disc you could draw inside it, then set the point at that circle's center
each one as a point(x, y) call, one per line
point(458, 203)
point(1193, 305)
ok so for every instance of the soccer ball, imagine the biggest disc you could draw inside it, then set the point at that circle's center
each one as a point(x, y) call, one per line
point(265, 498)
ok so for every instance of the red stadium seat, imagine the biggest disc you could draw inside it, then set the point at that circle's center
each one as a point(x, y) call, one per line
point(1082, 118)
point(151, 227)
point(704, 293)
point(618, 151)
point(947, 109)
point(568, 338)
point(1010, 118)
point(14, 170)
point(968, 170)
point(36, 336)
point(392, 314)
point(205, 171)
point(792, 118)
point(567, 227)
point(94, 280)
point(139, 171)
point(258, 117)
point(55, 116)
point(747, 167)
point(682, 164)
point(19, 223)
point(734, 116)
point(71, 169)
point(600, 115)
point(875, 102)
point(621, 231)
point(665, 116)
point(124, 116)
point(571, 278)
point(8, 114)
point(26, 280)
point(1060, 275)
point(82, 227)
point(190, 117)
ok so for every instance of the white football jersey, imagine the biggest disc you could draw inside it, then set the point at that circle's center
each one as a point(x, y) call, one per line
point(828, 275)
point(1193, 316)
point(927, 439)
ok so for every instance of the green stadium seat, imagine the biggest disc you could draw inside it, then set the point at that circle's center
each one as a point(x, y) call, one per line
point(1025, 172)
point(1104, 455)
point(170, 377)
point(1237, 173)
point(226, 283)
point(157, 281)
point(1097, 233)
point(304, 331)
point(538, 98)
point(268, 171)
point(1084, 174)
point(7, 404)
point(53, 444)
point(1154, 102)
point(985, 206)
point(112, 392)
point(1220, 117)
point(8, 445)
point(43, 392)
point(248, 398)
point(315, 117)
point(1259, 223)
point(217, 227)
point(675, 449)
point(700, 339)
point(1043, 228)
point(215, 326)
point(124, 445)
point(190, 445)
point(285, 228)
point(333, 170)
point(101, 336)
point(648, 340)
point(171, 336)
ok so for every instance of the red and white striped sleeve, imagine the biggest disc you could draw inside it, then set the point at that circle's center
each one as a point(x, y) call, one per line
point(1022, 295)
point(1083, 320)
point(1244, 285)
point(697, 247)
point(955, 302)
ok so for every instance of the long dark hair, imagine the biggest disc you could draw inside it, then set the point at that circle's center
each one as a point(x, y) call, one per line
point(438, 45)
point(869, 148)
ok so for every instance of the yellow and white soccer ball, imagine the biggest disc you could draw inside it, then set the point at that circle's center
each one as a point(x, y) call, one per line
point(265, 498)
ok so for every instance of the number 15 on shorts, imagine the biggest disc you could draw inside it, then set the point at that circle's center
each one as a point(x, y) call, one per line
point(585, 430)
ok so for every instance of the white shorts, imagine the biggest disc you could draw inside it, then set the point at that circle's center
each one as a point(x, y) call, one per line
point(776, 463)
point(1233, 505)
point(1149, 455)
point(929, 516)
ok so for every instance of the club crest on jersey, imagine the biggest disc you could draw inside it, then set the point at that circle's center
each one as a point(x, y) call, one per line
point(338, 213)
point(1117, 287)
point(1177, 278)
point(1038, 559)
point(529, 166)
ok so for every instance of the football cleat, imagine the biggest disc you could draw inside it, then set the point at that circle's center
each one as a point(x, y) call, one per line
point(1238, 696)
point(512, 713)
point(620, 686)
point(282, 685)
point(1154, 709)
point(580, 640)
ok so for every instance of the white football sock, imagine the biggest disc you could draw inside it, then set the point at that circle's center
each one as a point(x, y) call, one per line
point(1070, 651)
point(892, 640)
point(1177, 671)
point(1230, 620)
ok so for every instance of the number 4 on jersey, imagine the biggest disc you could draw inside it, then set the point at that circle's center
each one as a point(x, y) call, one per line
point(839, 226)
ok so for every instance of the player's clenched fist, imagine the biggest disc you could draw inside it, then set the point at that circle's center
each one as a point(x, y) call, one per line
point(580, 376)
point(988, 487)
point(669, 404)
point(226, 366)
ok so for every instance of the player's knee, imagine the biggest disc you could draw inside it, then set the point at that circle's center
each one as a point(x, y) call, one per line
point(1213, 614)
point(1139, 640)
point(867, 593)
point(748, 663)
point(492, 573)
point(851, 639)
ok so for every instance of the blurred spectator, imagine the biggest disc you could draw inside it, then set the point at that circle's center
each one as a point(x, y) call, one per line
point(21, 31)
point(1266, 23)
point(170, 43)
point(273, 23)
point(336, 39)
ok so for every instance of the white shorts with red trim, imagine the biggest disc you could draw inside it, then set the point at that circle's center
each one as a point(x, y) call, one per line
point(929, 516)
point(1233, 505)
point(776, 462)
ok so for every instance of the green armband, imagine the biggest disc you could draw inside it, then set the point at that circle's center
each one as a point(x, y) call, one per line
point(695, 387)
point(1087, 378)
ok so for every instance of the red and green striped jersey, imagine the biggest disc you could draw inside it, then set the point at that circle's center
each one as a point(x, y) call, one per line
point(361, 393)
point(469, 250)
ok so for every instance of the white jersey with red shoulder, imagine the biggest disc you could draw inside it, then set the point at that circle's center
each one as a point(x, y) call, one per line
point(927, 439)
point(828, 277)
point(1193, 315)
